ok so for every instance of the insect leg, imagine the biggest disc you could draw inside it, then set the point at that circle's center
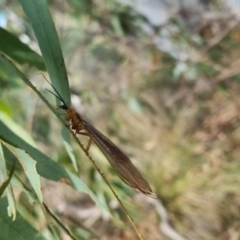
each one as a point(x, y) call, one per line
point(89, 141)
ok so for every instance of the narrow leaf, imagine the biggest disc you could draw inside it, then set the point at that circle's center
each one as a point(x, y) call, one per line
point(16, 128)
point(3, 170)
point(6, 183)
point(29, 167)
point(18, 51)
point(46, 34)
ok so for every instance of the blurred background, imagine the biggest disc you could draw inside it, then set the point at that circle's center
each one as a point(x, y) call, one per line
point(161, 79)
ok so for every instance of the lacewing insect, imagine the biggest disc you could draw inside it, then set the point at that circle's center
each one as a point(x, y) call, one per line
point(118, 159)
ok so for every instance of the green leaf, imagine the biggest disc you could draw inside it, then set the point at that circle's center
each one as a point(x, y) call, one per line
point(18, 229)
point(3, 170)
point(29, 167)
point(18, 51)
point(6, 183)
point(16, 128)
point(46, 34)
point(8, 78)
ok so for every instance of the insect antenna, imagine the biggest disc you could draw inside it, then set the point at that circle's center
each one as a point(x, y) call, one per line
point(57, 95)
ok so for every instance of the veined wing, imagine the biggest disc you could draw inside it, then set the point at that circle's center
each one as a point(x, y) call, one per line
point(119, 161)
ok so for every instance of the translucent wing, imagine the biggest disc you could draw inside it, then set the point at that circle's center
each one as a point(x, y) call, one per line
point(119, 161)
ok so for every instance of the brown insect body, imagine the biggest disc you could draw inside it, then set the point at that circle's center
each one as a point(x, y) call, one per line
point(116, 157)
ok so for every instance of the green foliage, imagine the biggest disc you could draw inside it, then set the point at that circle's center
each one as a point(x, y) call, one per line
point(18, 51)
point(17, 229)
point(44, 29)
point(18, 145)
point(7, 181)
point(172, 107)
